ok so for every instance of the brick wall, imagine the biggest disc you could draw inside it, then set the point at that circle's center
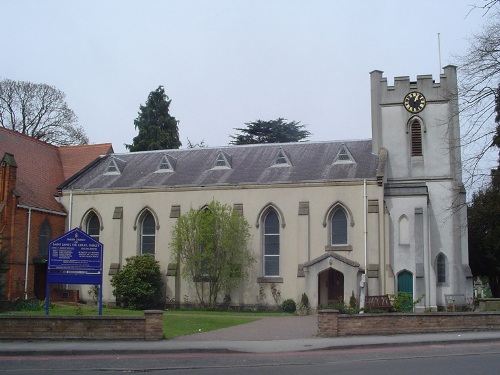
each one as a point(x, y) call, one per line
point(14, 237)
point(332, 324)
point(17, 249)
point(147, 327)
point(65, 295)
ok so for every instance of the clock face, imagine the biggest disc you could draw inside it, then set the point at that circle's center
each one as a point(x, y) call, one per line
point(414, 102)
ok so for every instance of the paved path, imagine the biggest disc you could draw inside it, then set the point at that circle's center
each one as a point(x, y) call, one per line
point(265, 329)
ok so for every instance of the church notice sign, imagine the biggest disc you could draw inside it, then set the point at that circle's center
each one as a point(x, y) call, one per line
point(75, 251)
point(75, 258)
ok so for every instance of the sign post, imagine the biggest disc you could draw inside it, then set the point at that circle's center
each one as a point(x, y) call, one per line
point(74, 258)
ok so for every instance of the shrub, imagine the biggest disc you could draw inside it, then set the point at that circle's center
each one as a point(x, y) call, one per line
point(403, 302)
point(93, 293)
point(304, 300)
point(29, 305)
point(303, 305)
point(353, 303)
point(341, 307)
point(138, 284)
point(289, 306)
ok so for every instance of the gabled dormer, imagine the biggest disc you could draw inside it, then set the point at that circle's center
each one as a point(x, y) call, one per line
point(115, 166)
point(8, 167)
point(343, 156)
point(281, 159)
point(8, 159)
point(167, 164)
point(222, 161)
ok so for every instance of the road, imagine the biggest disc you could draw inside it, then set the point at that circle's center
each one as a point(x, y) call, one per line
point(463, 358)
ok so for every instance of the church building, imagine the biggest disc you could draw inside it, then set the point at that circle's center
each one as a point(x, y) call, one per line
point(329, 219)
point(30, 213)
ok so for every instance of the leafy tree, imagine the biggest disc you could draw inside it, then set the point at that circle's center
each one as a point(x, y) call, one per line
point(39, 110)
point(138, 284)
point(484, 236)
point(211, 244)
point(479, 70)
point(158, 130)
point(272, 131)
point(484, 217)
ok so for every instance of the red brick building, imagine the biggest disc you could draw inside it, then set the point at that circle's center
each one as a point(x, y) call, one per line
point(30, 213)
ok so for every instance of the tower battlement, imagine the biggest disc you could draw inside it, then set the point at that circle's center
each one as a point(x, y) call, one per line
point(445, 89)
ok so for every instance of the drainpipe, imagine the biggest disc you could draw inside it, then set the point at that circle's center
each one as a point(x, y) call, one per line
point(308, 237)
point(70, 209)
point(427, 254)
point(28, 240)
point(27, 256)
point(70, 214)
point(364, 280)
point(365, 223)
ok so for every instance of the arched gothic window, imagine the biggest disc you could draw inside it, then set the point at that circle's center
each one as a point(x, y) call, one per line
point(271, 244)
point(93, 227)
point(44, 236)
point(338, 230)
point(441, 268)
point(148, 233)
point(404, 231)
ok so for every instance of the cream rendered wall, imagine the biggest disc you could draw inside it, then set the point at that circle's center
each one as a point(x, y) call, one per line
point(448, 235)
point(405, 256)
point(436, 160)
point(302, 239)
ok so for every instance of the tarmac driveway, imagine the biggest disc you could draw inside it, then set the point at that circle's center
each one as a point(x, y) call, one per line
point(264, 329)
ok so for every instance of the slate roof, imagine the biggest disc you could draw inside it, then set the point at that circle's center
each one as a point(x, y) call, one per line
point(41, 167)
point(249, 165)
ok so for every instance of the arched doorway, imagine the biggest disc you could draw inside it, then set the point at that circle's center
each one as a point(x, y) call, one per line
point(405, 284)
point(330, 286)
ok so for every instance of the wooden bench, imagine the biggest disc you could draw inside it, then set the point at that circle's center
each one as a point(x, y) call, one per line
point(378, 303)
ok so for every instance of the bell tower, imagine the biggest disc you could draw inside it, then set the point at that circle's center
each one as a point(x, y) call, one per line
point(417, 123)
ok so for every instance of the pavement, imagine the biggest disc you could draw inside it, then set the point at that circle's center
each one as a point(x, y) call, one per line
point(267, 335)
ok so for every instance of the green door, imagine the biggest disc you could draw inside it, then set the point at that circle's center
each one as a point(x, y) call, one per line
point(405, 285)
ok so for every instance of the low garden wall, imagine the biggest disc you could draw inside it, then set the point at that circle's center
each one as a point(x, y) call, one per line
point(333, 324)
point(147, 327)
point(488, 304)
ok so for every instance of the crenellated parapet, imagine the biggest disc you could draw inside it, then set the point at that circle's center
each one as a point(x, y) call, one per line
point(443, 90)
point(387, 103)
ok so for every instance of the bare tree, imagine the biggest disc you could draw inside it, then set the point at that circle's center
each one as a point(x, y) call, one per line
point(39, 110)
point(479, 72)
point(487, 5)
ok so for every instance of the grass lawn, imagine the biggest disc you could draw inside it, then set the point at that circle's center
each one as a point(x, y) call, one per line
point(175, 322)
point(181, 325)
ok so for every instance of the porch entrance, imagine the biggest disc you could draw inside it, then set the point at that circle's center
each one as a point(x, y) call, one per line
point(330, 286)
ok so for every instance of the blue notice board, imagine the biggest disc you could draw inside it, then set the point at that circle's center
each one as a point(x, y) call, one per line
point(75, 258)
point(75, 251)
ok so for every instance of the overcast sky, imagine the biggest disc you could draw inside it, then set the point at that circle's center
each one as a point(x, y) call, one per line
point(227, 62)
